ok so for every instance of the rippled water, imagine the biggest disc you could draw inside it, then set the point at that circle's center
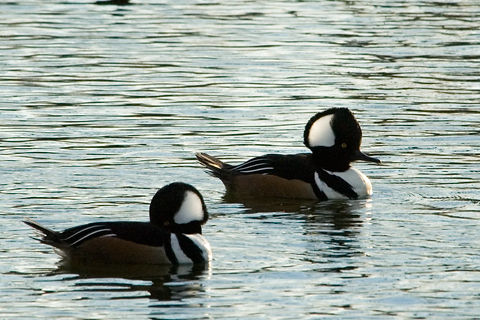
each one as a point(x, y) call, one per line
point(103, 104)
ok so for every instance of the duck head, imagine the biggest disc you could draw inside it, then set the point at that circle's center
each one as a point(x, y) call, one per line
point(334, 136)
point(179, 208)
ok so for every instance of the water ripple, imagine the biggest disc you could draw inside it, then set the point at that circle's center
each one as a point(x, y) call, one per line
point(103, 104)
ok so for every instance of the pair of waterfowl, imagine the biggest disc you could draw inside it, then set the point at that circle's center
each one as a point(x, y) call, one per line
point(177, 211)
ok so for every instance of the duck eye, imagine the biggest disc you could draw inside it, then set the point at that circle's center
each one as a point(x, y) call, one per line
point(166, 223)
point(344, 145)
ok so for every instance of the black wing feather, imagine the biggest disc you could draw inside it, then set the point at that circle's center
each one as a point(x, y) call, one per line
point(298, 166)
point(137, 232)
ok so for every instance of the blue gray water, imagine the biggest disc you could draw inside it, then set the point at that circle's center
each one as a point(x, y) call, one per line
point(102, 104)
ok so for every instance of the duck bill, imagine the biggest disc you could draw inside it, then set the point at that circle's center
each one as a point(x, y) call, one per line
point(359, 155)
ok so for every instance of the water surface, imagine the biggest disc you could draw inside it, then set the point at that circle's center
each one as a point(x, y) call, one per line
point(103, 104)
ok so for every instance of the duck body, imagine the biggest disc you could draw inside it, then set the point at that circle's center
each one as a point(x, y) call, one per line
point(287, 176)
point(334, 138)
point(173, 235)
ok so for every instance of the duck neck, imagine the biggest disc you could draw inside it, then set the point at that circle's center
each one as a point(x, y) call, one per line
point(187, 228)
point(329, 160)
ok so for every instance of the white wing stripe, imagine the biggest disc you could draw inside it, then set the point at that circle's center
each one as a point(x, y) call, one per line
point(92, 233)
point(256, 170)
point(250, 162)
point(80, 231)
point(252, 166)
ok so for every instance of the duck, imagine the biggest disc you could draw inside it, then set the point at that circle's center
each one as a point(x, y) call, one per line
point(172, 236)
point(333, 136)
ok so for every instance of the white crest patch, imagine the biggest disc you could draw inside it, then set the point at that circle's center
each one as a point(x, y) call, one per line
point(321, 133)
point(191, 209)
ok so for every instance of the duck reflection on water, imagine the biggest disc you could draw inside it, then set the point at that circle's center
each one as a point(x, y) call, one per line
point(158, 282)
point(331, 227)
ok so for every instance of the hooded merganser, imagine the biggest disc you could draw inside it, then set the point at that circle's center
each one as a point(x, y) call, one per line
point(334, 137)
point(173, 235)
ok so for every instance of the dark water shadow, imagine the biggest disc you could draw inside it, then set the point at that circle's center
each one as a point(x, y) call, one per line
point(340, 214)
point(157, 282)
point(336, 215)
point(113, 2)
point(257, 205)
point(326, 215)
point(332, 227)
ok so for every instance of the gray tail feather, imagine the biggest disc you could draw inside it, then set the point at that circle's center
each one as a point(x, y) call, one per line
point(47, 235)
point(216, 167)
point(209, 161)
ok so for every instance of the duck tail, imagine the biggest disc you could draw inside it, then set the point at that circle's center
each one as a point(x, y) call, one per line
point(47, 236)
point(214, 166)
point(209, 161)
